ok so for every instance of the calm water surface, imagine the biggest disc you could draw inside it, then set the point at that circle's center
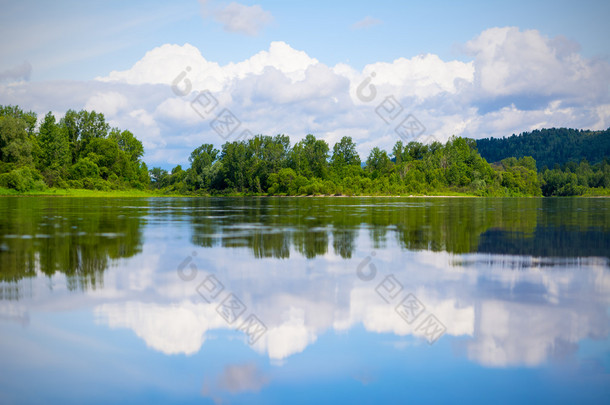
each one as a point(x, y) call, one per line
point(304, 300)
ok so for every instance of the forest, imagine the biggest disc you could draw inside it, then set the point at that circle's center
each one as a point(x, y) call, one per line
point(82, 151)
point(549, 147)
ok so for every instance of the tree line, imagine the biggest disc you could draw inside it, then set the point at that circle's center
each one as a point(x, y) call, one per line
point(82, 151)
point(268, 165)
point(551, 148)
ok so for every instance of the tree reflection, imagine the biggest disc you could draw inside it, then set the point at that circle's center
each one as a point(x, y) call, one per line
point(269, 227)
point(75, 237)
point(80, 237)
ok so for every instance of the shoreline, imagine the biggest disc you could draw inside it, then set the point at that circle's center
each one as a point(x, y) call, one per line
point(71, 193)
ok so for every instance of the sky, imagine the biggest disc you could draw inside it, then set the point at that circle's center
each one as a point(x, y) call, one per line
point(185, 73)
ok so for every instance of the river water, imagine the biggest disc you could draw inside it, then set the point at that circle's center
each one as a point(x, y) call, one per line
point(304, 300)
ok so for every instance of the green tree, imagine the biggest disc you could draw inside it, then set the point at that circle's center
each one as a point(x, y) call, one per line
point(159, 177)
point(81, 127)
point(128, 143)
point(378, 163)
point(84, 168)
point(268, 155)
point(55, 151)
point(309, 157)
point(344, 153)
point(15, 146)
point(199, 175)
point(235, 157)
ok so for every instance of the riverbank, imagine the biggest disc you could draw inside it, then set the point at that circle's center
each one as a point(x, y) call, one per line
point(54, 192)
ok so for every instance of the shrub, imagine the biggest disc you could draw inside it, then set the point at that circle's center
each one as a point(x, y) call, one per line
point(100, 184)
point(75, 184)
point(84, 168)
point(22, 179)
point(88, 183)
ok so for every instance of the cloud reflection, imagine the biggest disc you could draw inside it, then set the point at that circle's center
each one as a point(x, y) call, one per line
point(509, 317)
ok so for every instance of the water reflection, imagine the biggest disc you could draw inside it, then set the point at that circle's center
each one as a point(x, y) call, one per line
point(79, 237)
point(75, 237)
point(515, 282)
point(511, 317)
point(538, 227)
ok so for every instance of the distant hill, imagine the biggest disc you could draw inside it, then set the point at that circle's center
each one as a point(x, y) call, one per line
point(549, 146)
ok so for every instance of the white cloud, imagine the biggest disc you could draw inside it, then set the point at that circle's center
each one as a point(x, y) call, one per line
point(236, 17)
point(178, 110)
point(280, 56)
point(516, 81)
point(514, 334)
point(185, 68)
point(366, 22)
point(109, 103)
point(511, 62)
point(422, 76)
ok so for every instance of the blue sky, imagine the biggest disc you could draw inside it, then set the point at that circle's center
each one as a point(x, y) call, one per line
point(461, 68)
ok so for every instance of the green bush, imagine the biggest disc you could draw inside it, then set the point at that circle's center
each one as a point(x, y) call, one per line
point(101, 185)
point(84, 168)
point(61, 183)
point(22, 179)
point(88, 183)
point(75, 184)
point(6, 167)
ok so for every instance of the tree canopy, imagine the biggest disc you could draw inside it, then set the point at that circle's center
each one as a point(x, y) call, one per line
point(78, 151)
point(81, 150)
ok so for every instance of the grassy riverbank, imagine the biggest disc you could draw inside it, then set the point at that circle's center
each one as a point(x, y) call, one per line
point(57, 192)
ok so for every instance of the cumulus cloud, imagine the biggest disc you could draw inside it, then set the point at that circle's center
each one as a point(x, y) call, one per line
point(366, 22)
point(514, 63)
point(236, 17)
point(108, 103)
point(516, 80)
point(185, 68)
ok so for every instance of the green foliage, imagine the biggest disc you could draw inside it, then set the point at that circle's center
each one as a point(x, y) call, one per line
point(344, 153)
point(78, 151)
point(200, 175)
point(575, 179)
point(549, 146)
point(54, 155)
point(378, 163)
point(22, 179)
point(269, 155)
point(284, 182)
point(159, 178)
point(234, 157)
point(16, 142)
point(309, 157)
point(81, 151)
point(28, 117)
point(127, 143)
point(519, 177)
point(84, 168)
point(266, 165)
